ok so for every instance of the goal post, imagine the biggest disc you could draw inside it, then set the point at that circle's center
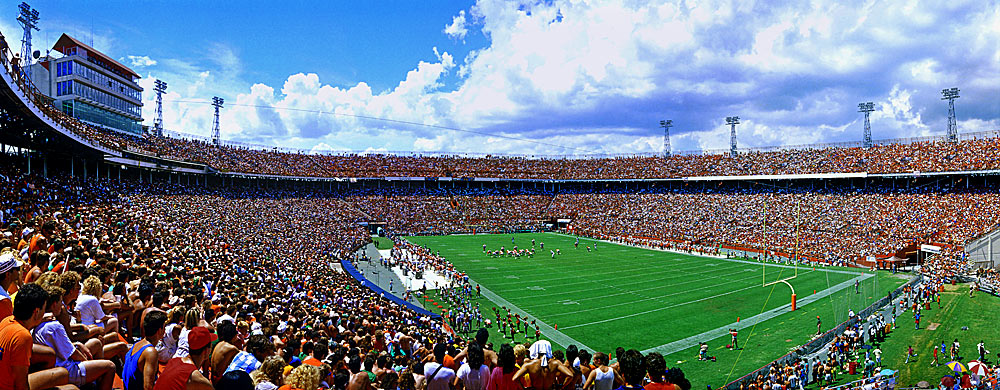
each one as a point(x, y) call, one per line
point(795, 257)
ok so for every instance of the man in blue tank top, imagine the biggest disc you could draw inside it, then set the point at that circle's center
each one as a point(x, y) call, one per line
point(142, 361)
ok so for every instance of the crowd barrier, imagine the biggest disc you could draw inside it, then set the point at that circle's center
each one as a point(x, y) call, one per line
point(349, 268)
point(820, 342)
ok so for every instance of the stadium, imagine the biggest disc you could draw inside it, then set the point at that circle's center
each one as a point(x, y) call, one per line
point(133, 253)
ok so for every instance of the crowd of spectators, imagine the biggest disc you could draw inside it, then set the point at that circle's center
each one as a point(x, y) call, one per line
point(951, 262)
point(253, 268)
point(261, 259)
point(111, 279)
point(437, 211)
point(829, 226)
point(927, 156)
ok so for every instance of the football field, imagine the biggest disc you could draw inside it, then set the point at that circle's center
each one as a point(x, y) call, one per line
point(659, 301)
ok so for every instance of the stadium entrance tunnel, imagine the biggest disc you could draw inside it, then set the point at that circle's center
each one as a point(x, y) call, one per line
point(375, 228)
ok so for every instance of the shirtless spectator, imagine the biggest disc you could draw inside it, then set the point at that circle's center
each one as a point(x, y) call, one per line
point(223, 352)
point(540, 369)
point(482, 337)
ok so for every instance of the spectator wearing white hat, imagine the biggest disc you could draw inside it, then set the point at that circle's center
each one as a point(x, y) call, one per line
point(9, 267)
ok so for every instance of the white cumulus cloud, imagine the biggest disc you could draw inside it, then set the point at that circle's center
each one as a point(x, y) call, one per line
point(597, 76)
point(140, 61)
point(457, 29)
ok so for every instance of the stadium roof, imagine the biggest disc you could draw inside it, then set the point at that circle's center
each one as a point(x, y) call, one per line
point(67, 41)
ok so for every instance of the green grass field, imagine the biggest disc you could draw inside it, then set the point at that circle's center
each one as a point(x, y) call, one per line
point(644, 299)
point(980, 314)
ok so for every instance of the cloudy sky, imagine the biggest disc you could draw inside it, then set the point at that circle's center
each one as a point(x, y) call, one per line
point(550, 77)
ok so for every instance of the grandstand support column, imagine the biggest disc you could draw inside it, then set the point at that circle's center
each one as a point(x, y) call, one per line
point(45, 166)
point(84, 169)
point(72, 167)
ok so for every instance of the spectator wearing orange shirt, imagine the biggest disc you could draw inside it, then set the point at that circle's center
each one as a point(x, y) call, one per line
point(16, 344)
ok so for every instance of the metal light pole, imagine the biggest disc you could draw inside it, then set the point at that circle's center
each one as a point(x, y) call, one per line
point(217, 103)
point(867, 108)
point(28, 18)
point(950, 95)
point(160, 87)
point(732, 121)
point(666, 124)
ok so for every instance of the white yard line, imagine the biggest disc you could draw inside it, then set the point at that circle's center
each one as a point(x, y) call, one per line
point(605, 296)
point(660, 296)
point(658, 309)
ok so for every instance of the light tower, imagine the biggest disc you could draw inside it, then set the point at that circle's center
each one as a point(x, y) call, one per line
point(160, 87)
point(217, 103)
point(666, 136)
point(28, 18)
point(732, 121)
point(867, 108)
point(950, 95)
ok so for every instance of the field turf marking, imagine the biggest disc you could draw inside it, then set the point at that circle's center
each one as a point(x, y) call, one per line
point(658, 309)
point(657, 297)
point(688, 342)
point(670, 286)
point(629, 275)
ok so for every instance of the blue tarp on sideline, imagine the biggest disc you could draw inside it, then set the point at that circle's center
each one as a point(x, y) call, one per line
point(372, 286)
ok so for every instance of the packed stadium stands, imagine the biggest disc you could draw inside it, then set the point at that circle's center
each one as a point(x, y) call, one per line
point(927, 156)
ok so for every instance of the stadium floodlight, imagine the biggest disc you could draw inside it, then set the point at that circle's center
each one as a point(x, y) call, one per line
point(732, 121)
point(666, 124)
point(217, 103)
point(28, 18)
point(160, 87)
point(950, 94)
point(867, 108)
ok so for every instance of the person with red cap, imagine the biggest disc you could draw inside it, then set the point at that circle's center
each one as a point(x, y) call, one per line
point(182, 372)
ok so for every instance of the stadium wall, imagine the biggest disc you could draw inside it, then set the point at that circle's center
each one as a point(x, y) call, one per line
point(985, 251)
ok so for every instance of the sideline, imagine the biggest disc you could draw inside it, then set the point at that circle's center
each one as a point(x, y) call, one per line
point(550, 332)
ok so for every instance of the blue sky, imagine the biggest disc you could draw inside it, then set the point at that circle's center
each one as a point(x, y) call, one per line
point(570, 76)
